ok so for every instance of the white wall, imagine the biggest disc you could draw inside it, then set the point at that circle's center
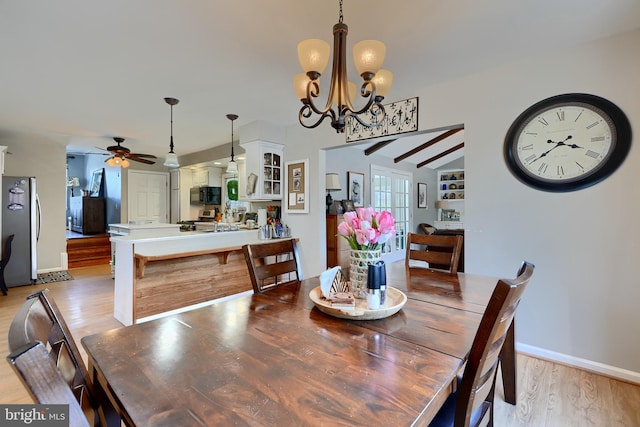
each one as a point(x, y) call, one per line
point(583, 299)
point(582, 305)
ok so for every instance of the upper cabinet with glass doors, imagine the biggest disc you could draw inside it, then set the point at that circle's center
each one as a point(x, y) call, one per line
point(265, 170)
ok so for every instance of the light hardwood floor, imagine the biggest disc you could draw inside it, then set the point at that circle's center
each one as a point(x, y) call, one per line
point(549, 394)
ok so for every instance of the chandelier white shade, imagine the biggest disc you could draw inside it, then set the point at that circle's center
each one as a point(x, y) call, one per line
point(368, 57)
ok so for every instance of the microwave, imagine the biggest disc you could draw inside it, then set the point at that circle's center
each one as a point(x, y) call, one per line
point(206, 195)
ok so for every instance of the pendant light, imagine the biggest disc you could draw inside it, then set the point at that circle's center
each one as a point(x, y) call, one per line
point(232, 167)
point(172, 158)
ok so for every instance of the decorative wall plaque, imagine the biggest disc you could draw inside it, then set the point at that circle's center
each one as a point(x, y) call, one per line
point(402, 117)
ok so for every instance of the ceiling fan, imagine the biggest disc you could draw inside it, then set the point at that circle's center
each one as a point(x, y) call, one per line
point(122, 155)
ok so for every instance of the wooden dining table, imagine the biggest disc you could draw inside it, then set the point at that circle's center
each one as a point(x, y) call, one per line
point(274, 359)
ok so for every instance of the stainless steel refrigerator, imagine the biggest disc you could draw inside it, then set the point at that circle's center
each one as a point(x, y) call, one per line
point(20, 217)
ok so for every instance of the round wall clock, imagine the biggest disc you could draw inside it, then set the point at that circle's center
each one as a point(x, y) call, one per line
point(567, 142)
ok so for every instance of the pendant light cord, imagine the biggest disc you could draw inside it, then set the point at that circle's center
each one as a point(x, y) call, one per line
point(232, 141)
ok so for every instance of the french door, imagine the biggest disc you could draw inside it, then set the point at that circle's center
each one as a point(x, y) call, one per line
point(391, 190)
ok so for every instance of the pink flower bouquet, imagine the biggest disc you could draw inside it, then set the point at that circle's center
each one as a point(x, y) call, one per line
point(367, 229)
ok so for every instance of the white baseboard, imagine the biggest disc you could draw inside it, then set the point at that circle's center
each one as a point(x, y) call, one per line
point(588, 365)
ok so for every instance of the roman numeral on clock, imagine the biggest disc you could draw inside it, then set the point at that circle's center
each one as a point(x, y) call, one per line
point(592, 125)
point(592, 154)
point(543, 121)
point(597, 139)
point(543, 168)
point(560, 170)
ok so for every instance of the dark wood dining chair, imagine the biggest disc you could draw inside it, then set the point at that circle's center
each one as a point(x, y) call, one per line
point(433, 252)
point(6, 255)
point(44, 381)
point(472, 403)
point(273, 263)
point(39, 320)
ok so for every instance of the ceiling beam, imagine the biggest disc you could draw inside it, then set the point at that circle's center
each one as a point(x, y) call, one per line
point(379, 145)
point(427, 144)
point(444, 153)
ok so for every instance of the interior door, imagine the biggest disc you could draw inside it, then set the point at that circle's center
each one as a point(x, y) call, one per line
point(391, 190)
point(148, 196)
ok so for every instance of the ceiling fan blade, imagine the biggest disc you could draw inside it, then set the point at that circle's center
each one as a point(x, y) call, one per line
point(137, 159)
point(150, 156)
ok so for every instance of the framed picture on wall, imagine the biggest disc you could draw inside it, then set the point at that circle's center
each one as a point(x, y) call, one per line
point(95, 190)
point(297, 186)
point(422, 195)
point(355, 190)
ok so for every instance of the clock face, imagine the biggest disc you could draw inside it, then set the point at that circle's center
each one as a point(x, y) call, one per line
point(567, 142)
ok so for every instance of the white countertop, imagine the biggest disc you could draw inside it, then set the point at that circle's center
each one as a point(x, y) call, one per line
point(144, 226)
point(187, 241)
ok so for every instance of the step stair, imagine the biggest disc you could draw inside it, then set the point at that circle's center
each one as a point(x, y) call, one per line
point(87, 251)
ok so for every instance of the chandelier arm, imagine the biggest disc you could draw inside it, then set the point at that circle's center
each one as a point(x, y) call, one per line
point(377, 110)
point(313, 91)
point(306, 112)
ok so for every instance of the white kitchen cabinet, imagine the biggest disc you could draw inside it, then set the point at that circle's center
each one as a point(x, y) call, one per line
point(206, 176)
point(214, 177)
point(200, 177)
point(265, 160)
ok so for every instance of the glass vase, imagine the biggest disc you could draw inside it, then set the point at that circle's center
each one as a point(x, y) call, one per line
point(358, 267)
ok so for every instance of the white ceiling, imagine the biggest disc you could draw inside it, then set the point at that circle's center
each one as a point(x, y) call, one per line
point(82, 71)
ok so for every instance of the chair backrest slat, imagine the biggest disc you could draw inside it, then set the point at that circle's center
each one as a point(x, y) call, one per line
point(440, 252)
point(272, 263)
point(43, 380)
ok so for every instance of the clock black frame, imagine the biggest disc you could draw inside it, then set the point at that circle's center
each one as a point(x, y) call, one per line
point(621, 142)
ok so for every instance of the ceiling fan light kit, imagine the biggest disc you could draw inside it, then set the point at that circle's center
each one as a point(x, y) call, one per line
point(172, 159)
point(313, 55)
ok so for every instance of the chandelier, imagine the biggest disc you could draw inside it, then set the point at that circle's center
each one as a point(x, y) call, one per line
point(368, 56)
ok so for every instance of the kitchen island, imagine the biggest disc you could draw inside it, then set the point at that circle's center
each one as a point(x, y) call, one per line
point(157, 275)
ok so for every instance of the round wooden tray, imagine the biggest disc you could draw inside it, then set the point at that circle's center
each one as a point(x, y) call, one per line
point(395, 300)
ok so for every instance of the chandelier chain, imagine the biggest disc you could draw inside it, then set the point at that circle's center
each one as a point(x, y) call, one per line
point(341, 17)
